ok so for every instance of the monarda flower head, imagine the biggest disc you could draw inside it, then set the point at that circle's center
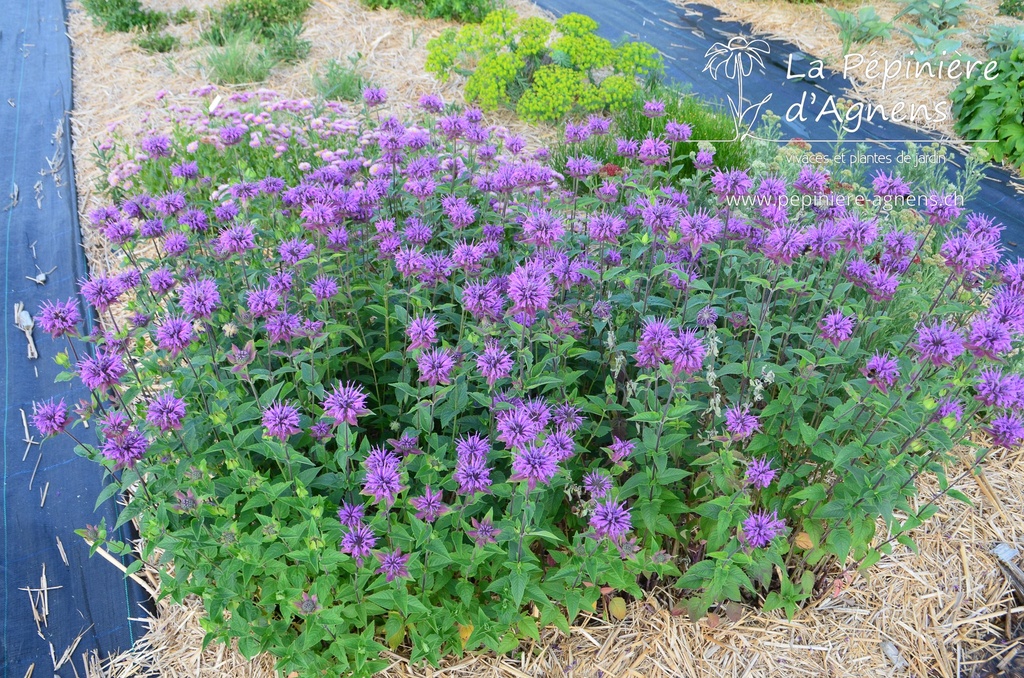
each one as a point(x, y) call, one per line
point(60, 318)
point(200, 298)
point(166, 412)
point(882, 371)
point(494, 363)
point(281, 420)
point(436, 365)
point(393, 564)
point(358, 543)
point(534, 465)
point(740, 423)
point(345, 403)
point(422, 332)
point(938, 344)
point(760, 528)
point(760, 473)
point(50, 417)
point(429, 506)
point(836, 327)
point(611, 520)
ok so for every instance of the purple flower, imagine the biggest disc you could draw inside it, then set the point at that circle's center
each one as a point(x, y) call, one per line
point(161, 281)
point(431, 103)
point(358, 543)
point(534, 465)
point(166, 412)
point(156, 146)
point(393, 564)
point(598, 484)
point(882, 371)
point(783, 244)
point(705, 159)
point(890, 185)
point(200, 298)
point(965, 254)
point(324, 287)
point(374, 96)
point(678, 132)
point(346, 403)
point(707, 317)
point(836, 327)
point(760, 473)
point(101, 372)
point(857, 233)
point(50, 417)
point(740, 423)
point(760, 528)
point(938, 344)
point(620, 449)
point(686, 352)
point(262, 302)
point(174, 335)
point(1006, 430)
point(237, 239)
point(436, 366)
point(611, 520)
point(529, 288)
point(100, 292)
point(472, 475)
point(126, 449)
point(483, 533)
point(581, 168)
point(654, 109)
point(517, 427)
point(231, 134)
point(320, 431)
point(281, 420)
point(383, 480)
point(351, 515)
point(811, 181)
point(429, 507)
point(494, 363)
point(422, 332)
point(653, 151)
point(948, 407)
point(942, 209)
point(731, 184)
point(989, 339)
point(185, 170)
point(473, 447)
point(58, 319)
point(307, 604)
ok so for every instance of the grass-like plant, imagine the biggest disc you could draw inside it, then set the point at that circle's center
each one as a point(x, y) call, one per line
point(401, 384)
point(241, 60)
point(285, 43)
point(472, 11)
point(341, 82)
point(158, 43)
point(124, 15)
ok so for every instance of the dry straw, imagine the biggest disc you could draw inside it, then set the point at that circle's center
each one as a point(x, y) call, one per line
point(935, 613)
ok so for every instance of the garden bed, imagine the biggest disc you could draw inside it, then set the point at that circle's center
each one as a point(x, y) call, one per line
point(931, 613)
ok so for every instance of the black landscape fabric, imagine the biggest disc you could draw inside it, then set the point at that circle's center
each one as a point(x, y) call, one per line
point(86, 596)
point(684, 36)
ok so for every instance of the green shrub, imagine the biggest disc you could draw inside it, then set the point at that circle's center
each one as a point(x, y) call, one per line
point(1014, 8)
point(183, 15)
point(863, 27)
point(285, 43)
point(436, 414)
point(544, 71)
point(266, 13)
point(992, 110)
point(158, 43)
point(341, 82)
point(465, 11)
point(124, 15)
point(239, 61)
point(1003, 39)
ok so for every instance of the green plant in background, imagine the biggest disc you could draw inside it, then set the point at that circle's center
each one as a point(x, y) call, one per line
point(285, 43)
point(465, 11)
point(940, 13)
point(992, 109)
point(183, 15)
point(544, 71)
point(1003, 39)
point(241, 60)
point(863, 27)
point(341, 82)
point(264, 13)
point(932, 43)
point(124, 15)
point(158, 43)
point(1014, 8)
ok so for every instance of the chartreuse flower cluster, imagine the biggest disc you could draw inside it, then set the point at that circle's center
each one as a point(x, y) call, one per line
point(544, 71)
point(398, 384)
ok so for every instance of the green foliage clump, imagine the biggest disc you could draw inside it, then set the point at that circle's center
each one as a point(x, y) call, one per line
point(341, 82)
point(990, 108)
point(1014, 8)
point(863, 27)
point(1003, 39)
point(466, 11)
point(285, 43)
point(158, 43)
point(124, 15)
point(265, 13)
point(544, 71)
point(935, 32)
point(241, 60)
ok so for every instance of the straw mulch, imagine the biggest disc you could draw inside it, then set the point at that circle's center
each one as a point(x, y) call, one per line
point(808, 27)
point(927, 614)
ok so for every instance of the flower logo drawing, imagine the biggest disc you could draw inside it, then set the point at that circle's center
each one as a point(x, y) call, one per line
point(735, 61)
